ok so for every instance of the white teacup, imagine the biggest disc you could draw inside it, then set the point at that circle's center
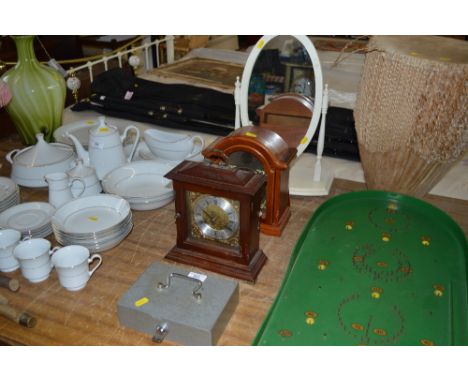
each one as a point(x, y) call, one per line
point(9, 238)
point(72, 266)
point(34, 258)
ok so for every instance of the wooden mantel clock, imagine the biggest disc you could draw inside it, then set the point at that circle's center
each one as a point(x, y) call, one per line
point(217, 218)
point(266, 151)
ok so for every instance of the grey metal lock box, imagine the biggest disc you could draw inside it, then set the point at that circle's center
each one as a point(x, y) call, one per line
point(169, 302)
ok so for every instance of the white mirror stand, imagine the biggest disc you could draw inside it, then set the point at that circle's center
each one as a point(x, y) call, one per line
point(301, 182)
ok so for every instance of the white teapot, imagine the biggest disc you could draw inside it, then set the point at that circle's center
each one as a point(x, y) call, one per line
point(105, 148)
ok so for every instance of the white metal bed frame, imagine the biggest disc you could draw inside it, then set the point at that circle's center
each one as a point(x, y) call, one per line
point(145, 47)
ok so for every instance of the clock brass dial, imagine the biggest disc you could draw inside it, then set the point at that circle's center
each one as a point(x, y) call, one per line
point(215, 218)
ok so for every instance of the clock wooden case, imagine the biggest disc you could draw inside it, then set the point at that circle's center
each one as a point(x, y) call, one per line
point(217, 218)
point(265, 151)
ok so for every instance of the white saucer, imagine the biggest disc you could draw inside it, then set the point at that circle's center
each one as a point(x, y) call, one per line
point(27, 217)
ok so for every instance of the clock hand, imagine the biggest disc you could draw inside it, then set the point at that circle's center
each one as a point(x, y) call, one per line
point(211, 217)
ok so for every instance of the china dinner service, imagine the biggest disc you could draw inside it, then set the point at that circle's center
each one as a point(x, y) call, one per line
point(31, 164)
point(60, 186)
point(9, 193)
point(141, 183)
point(36, 259)
point(98, 222)
point(31, 219)
point(171, 146)
point(132, 177)
point(105, 148)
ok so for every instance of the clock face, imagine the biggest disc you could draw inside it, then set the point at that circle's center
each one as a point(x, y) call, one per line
point(214, 218)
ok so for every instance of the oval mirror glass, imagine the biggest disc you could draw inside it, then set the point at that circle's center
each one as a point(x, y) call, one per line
point(288, 68)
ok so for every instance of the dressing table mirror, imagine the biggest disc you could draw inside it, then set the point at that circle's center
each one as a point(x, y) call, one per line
point(286, 122)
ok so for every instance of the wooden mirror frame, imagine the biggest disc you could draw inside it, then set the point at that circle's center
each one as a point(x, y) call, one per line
point(318, 79)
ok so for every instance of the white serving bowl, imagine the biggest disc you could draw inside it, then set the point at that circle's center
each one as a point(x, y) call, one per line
point(31, 164)
point(172, 146)
point(141, 183)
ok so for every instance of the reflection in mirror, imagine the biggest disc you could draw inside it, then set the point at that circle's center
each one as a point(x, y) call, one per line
point(244, 159)
point(283, 66)
point(294, 66)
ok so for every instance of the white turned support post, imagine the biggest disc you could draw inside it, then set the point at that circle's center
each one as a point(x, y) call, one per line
point(90, 68)
point(237, 122)
point(157, 54)
point(321, 137)
point(146, 47)
point(170, 49)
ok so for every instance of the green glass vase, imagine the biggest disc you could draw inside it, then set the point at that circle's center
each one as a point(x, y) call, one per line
point(38, 94)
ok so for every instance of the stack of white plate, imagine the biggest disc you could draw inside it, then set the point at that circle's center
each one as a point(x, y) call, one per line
point(98, 222)
point(141, 183)
point(31, 219)
point(9, 193)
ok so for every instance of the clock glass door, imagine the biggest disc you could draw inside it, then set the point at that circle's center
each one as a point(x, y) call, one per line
point(213, 219)
point(247, 160)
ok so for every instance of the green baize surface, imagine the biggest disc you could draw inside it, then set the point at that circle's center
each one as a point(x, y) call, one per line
point(373, 268)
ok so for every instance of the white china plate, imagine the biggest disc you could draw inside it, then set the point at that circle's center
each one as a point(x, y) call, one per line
point(79, 129)
point(99, 245)
point(93, 237)
point(10, 201)
point(151, 204)
point(91, 214)
point(141, 179)
point(10, 204)
point(40, 233)
point(7, 188)
point(27, 216)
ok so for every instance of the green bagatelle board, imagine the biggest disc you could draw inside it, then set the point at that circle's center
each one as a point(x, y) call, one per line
point(373, 268)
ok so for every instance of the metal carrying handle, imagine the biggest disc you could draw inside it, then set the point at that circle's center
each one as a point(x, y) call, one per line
point(196, 294)
point(216, 154)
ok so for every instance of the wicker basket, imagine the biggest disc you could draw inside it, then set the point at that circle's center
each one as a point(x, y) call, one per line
point(412, 111)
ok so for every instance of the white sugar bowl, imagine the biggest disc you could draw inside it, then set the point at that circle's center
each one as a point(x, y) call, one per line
point(88, 176)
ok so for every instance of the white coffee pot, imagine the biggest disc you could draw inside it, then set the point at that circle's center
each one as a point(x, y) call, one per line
point(105, 148)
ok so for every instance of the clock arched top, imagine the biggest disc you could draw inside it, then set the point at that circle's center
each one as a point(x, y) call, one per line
point(266, 145)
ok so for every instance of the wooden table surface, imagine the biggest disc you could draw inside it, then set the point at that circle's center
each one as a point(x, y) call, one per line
point(89, 317)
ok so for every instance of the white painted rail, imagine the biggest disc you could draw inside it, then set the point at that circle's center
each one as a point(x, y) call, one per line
point(144, 48)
